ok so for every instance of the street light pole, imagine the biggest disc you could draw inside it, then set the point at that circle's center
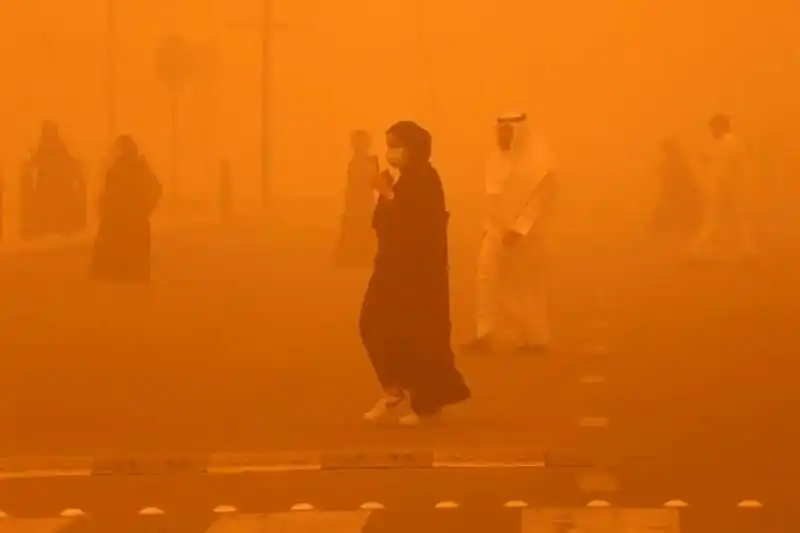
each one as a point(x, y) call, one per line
point(111, 70)
point(426, 92)
point(266, 29)
point(266, 89)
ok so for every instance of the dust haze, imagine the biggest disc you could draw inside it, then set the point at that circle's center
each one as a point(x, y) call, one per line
point(603, 82)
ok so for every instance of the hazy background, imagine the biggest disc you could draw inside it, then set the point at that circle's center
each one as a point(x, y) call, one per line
point(603, 80)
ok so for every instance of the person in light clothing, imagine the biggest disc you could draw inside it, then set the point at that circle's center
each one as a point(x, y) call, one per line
point(727, 197)
point(512, 287)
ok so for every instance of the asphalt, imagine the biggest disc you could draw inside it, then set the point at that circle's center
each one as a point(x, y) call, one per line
point(669, 382)
point(479, 500)
point(244, 343)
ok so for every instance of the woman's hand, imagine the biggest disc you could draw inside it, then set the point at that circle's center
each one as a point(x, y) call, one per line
point(382, 182)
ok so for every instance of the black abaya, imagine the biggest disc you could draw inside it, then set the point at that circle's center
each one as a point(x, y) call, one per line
point(122, 245)
point(405, 317)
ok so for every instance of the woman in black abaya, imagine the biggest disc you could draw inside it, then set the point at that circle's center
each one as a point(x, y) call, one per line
point(132, 191)
point(405, 317)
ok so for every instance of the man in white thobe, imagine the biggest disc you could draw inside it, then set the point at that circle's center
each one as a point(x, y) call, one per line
point(512, 285)
point(727, 198)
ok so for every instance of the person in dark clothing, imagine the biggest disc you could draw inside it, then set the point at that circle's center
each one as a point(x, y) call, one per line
point(405, 317)
point(356, 245)
point(678, 210)
point(56, 185)
point(132, 192)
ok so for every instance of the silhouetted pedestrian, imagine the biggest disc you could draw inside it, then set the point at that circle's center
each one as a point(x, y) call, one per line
point(405, 317)
point(356, 245)
point(132, 192)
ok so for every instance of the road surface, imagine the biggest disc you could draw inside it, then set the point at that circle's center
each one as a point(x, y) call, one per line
point(482, 501)
point(670, 382)
point(243, 344)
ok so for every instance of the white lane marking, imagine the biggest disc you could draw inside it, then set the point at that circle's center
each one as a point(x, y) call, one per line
point(34, 525)
point(596, 349)
point(515, 504)
point(593, 380)
point(260, 469)
point(676, 504)
point(371, 506)
point(42, 473)
point(750, 504)
point(224, 509)
point(598, 503)
point(323, 522)
point(593, 422)
point(71, 513)
point(446, 505)
point(491, 464)
point(599, 520)
point(597, 482)
point(151, 511)
point(489, 459)
point(302, 507)
point(600, 324)
point(240, 463)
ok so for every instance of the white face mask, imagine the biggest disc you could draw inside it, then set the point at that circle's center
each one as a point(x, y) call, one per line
point(394, 156)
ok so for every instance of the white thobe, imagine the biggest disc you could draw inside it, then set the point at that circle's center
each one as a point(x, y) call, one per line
point(726, 198)
point(512, 288)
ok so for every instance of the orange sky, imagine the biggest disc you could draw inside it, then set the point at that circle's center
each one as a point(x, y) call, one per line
point(605, 80)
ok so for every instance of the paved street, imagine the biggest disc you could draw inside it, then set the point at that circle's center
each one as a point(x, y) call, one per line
point(480, 501)
point(669, 382)
point(243, 344)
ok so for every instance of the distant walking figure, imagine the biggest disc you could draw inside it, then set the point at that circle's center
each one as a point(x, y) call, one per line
point(727, 197)
point(405, 318)
point(356, 245)
point(678, 210)
point(57, 185)
point(132, 192)
point(513, 264)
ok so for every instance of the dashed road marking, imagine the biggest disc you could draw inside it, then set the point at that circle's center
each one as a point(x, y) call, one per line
point(595, 379)
point(151, 511)
point(596, 349)
point(593, 422)
point(598, 503)
point(371, 506)
point(597, 483)
point(515, 504)
point(676, 504)
point(446, 505)
point(600, 324)
point(69, 515)
point(302, 507)
point(750, 504)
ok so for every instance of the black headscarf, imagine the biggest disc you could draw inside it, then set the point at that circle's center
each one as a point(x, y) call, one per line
point(127, 148)
point(415, 139)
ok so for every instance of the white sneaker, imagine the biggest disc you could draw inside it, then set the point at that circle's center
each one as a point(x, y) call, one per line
point(412, 419)
point(382, 409)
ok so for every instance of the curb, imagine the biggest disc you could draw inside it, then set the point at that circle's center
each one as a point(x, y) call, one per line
point(85, 238)
point(273, 462)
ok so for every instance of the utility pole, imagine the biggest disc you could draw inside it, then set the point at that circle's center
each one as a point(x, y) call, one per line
point(425, 83)
point(266, 28)
point(111, 70)
point(266, 99)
